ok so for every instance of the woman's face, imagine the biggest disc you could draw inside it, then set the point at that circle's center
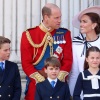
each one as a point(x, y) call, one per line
point(86, 25)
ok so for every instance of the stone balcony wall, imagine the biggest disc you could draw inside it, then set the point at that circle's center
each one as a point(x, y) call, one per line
point(23, 80)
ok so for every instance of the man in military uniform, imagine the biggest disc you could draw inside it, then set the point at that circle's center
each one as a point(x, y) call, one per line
point(44, 41)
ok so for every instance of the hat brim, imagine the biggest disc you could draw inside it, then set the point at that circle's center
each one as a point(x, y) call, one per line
point(76, 19)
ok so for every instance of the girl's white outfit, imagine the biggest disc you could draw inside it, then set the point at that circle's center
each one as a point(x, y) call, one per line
point(80, 46)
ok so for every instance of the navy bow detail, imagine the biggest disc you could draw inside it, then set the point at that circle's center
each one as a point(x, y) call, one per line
point(81, 39)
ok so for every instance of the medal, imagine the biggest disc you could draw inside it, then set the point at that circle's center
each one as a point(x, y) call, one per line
point(54, 40)
point(58, 40)
point(64, 40)
point(59, 50)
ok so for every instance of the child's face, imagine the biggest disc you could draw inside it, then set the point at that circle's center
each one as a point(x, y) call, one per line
point(4, 51)
point(52, 72)
point(93, 59)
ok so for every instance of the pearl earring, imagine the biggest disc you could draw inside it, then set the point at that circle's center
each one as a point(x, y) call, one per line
point(93, 28)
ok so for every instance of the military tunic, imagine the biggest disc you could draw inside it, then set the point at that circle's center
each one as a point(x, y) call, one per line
point(36, 45)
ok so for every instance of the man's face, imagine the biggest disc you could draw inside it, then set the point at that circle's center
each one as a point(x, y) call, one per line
point(54, 20)
point(4, 51)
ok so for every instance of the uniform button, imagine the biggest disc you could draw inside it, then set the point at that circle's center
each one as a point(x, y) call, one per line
point(50, 97)
point(0, 86)
point(9, 86)
point(9, 95)
point(58, 97)
point(0, 95)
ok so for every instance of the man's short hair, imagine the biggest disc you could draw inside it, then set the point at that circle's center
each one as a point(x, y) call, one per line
point(46, 11)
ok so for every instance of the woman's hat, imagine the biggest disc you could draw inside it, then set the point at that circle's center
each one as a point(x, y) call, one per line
point(76, 19)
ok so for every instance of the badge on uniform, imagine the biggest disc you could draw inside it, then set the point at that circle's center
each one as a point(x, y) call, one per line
point(59, 50)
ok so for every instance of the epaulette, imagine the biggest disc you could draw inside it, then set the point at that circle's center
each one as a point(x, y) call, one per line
point(31, 28)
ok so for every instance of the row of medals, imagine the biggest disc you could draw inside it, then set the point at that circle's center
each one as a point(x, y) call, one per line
point(59, 39)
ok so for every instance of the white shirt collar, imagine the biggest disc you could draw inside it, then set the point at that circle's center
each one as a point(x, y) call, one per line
point(52, 80)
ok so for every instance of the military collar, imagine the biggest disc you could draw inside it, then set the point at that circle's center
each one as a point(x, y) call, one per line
point(43, 28)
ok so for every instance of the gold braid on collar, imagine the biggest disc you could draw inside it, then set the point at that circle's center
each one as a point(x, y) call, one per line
point(47, 40)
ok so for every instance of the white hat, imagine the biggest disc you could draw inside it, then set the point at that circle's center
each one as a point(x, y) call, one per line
point(76, 19)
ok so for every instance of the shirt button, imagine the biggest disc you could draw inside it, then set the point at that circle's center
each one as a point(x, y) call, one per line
point(58, 97)
point(9, 95)
point(9, 86)
point(0, 95)
point(0, 86)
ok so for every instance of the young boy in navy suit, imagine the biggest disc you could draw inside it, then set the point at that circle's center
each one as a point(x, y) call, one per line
point(10, 82)
point(52, 88)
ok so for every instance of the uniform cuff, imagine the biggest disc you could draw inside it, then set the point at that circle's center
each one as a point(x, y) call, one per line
point(62, 75)
point(38, 77)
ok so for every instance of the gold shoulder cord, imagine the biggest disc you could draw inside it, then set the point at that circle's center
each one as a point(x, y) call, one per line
point(46, 40)
point(32, 43)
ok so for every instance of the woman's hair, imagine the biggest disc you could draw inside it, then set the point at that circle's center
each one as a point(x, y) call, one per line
point(95, 18)
point(91, 49)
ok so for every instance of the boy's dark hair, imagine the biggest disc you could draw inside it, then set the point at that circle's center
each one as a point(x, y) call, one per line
point(52, 61)
point(3, 40)
point(91, 49)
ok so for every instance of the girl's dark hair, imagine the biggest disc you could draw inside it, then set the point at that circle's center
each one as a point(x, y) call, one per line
point(95, 18)
point(91, 49)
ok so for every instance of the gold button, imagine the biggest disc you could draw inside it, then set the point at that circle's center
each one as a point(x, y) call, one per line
point(58, 97)
point(0, 95)
point(50, 97)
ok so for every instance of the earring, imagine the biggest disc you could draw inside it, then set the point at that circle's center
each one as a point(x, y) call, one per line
point(93, 28)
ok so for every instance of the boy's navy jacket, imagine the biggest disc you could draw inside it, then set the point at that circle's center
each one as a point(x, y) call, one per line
point(10, 82)
point(44, 91)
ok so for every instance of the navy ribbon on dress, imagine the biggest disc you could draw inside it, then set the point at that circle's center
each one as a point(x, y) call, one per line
point(81, 39)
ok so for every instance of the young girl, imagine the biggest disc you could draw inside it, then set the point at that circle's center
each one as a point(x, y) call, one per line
point(89, 80)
